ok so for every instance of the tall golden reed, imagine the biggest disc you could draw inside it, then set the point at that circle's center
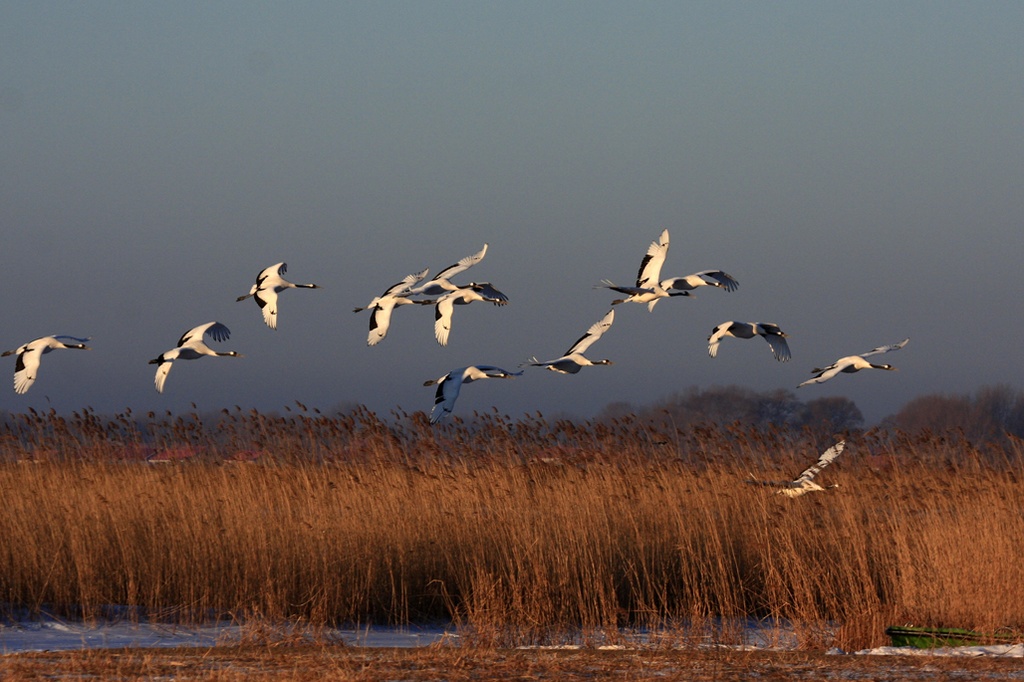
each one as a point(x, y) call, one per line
point(518, 530)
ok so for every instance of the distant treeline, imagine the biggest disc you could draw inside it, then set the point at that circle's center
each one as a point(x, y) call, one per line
point(987, 416)
point(992, 415)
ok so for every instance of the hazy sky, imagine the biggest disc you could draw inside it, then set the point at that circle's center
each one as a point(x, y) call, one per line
point(858, 167)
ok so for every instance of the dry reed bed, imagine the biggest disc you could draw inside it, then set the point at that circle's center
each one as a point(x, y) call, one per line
point(521, 531)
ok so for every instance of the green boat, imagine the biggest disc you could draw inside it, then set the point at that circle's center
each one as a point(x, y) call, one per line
point(930, 638)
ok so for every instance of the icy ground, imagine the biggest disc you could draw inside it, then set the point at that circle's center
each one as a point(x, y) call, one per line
point(57, 635)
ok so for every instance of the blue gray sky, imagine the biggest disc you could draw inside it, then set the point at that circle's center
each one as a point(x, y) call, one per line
point(856, 166)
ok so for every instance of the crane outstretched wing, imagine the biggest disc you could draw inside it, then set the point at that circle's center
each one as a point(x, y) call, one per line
point(592, 334)
point(885, 349)
point(826, 458)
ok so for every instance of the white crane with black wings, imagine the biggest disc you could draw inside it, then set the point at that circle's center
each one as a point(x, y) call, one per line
point(269, 283)
point(853, 363)
point(441, 283)
point(650, 288)
point(30, 355)
point(382, 306)
point(574, 360)
point(192, 346)
point(449, 385)
point(804, 483)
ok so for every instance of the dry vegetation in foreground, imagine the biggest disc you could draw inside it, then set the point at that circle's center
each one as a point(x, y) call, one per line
point(520, 532)
point(342, 664)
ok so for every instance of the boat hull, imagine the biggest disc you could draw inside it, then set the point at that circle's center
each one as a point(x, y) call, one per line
point(930, 638)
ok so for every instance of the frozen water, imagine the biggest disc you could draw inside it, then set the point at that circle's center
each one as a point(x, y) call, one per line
point(56, 635)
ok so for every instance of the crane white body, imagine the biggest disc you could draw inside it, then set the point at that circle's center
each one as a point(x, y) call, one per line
point(440, 283)
point(771, 333)
point(30, 355)
point(853, 363)
point(804, 483)
point(445, 306)
point(704, 278)
point(650, 288)
point(191, 346)
point(573, 360)
point(382, 306)
point(449, 385)
point(269, 283)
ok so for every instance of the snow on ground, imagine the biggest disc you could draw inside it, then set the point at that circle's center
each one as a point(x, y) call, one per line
point(56, 635)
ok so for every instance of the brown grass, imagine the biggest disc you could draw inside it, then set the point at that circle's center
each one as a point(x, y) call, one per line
point(519, 531)
point(351, 664)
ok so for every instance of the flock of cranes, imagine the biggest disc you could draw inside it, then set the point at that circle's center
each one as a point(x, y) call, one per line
point(650, 288)
point(443, 294)
point(448, 295)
